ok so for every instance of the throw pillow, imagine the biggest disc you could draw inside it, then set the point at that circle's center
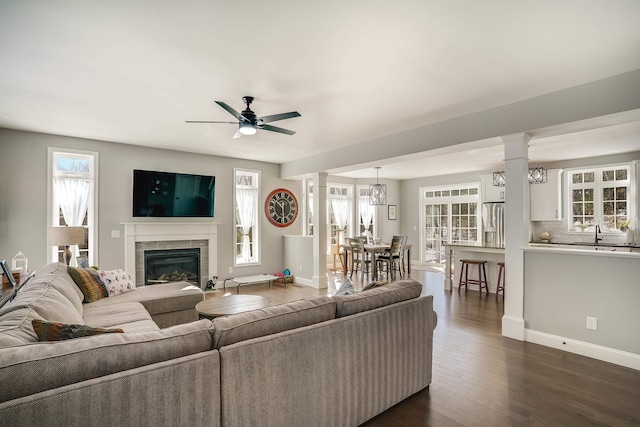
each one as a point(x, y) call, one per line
point(88, 280)
point(375, 284)
point(116, 281)
point(346, 288)
point(57, 331)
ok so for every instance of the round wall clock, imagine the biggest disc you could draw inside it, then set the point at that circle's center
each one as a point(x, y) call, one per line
point(281, 207)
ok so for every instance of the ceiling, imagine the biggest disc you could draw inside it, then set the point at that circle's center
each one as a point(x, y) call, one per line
point(134, 72)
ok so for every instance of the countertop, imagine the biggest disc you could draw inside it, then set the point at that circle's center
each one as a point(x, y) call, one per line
point(589, 244)
point(475, 248)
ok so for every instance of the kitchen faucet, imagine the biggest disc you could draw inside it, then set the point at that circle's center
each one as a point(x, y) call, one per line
point(598, 231)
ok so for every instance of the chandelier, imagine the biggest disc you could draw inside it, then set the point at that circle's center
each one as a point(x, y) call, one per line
point(377, 192)
point(536, 176)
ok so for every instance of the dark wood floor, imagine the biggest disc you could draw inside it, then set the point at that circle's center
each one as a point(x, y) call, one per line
point(483, 379)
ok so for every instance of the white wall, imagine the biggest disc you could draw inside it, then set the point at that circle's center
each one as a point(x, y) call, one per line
point(23, 197)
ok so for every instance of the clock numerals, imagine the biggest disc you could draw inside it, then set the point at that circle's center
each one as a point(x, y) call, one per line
point(281, 207)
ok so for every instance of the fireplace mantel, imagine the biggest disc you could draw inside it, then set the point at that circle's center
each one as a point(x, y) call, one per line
point(167, 231)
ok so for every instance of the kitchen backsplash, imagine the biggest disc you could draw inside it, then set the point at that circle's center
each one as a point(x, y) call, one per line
point(558, 233)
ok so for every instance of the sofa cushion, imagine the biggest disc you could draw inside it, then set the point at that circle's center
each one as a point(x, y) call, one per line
point(32, 368)
point(57, 331)
point(16, 328)
point(257, 323)
point(57, 276)
point(163, 298)
point(45, 300)
point(116, 282)
point(378, 297)
point(89, 282)
point(117, 315)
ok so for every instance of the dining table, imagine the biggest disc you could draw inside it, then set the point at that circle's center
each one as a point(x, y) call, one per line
point(374, 250)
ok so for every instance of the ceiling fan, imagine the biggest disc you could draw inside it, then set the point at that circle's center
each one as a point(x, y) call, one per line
point(249, 122)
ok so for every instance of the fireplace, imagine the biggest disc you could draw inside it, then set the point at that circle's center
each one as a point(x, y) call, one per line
point(172, 265)
point(148, 236)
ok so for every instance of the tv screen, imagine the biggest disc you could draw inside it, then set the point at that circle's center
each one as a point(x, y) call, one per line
point(167, 194)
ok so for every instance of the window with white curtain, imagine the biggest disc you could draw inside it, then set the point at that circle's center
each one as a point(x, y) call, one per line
point(366, 213)
point(73, 188)
point(247, 194)
point(309, 207)
point(339, 204)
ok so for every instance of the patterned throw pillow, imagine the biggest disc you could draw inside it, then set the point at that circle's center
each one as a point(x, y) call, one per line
point(88, 280)
point(116, 281)
point(56, 331)
point(346, 288)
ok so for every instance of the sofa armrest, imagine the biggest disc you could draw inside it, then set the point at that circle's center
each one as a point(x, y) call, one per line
point(177, 392)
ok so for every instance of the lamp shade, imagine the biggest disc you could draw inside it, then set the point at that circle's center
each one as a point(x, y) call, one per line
point(66, 236)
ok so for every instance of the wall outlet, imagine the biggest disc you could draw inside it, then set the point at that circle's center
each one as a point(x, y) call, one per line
point(300, 267)
point(230, 270)
point(115, 233)
point(415, 228)
point(592, 323)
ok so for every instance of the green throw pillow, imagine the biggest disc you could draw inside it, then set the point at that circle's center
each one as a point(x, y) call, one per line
point(88, 280)
point(56, 331)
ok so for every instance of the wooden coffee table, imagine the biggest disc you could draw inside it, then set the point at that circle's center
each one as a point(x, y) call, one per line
point(230, 304)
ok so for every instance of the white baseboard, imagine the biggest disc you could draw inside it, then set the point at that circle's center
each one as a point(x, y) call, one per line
point(513, 327)
point(303, 281)
point(611, 355)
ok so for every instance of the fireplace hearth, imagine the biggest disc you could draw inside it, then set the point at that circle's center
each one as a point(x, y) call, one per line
point(172, 265)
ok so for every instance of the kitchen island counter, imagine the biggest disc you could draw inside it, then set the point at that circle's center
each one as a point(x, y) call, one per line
point(454, 252)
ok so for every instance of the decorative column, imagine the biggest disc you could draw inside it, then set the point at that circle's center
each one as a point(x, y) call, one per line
point(319, 279)
point(516, 228)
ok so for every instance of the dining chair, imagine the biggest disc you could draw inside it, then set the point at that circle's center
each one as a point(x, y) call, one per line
point(359, 257)
point(392, 260)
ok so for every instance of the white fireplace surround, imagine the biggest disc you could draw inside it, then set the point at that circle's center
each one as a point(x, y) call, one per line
point(168, 231)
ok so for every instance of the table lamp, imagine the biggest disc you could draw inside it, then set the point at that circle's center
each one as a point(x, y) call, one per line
point(66, 236)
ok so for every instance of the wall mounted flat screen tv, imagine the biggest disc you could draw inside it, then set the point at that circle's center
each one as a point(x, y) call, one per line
point(167, 194)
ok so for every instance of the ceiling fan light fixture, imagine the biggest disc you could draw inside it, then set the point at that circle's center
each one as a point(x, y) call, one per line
point(247, 129)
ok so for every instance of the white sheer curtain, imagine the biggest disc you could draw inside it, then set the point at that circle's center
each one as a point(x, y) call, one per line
point(366, 211)
point(340, 209)
point(246, 201)
point(73, 196)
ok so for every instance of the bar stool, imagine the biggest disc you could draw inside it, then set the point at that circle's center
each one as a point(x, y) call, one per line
point(481, 281)
point(500, 286)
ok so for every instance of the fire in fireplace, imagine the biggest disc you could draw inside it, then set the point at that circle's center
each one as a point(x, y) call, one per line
point(172, 265)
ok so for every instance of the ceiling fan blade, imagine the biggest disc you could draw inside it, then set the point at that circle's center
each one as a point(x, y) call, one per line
point(208, 121)
point(277, 129)
point(237, 134)
point(281, 116)
point(231, 111)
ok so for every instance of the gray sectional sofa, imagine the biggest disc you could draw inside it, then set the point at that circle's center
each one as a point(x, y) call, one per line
point(323, 361)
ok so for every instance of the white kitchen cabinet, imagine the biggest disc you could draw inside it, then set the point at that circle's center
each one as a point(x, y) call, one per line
point(546, 199)
point(491, 193)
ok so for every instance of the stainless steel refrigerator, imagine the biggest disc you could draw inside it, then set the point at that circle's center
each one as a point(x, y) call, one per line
point(493, 224)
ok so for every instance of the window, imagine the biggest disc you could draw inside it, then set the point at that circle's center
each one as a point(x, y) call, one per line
point(600, 196)
point(340, 212)
point(309, 208)
point(366, 213)
point(73, 190)
point(449, 215)
point(246, 192)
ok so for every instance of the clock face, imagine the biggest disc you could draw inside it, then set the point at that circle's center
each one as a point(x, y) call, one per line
point(281, 207)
